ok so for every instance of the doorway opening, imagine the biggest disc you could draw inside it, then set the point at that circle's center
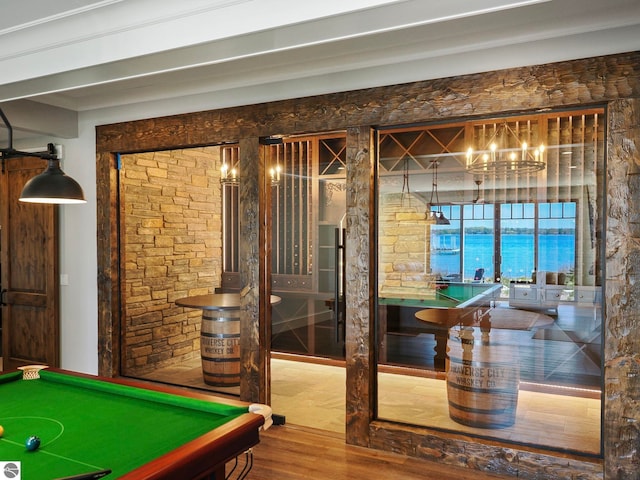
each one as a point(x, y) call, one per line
point(308, 206)
point(170, 229)
point(179, 230)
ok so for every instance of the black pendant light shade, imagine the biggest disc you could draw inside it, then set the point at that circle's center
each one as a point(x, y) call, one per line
point(436, 216)
point(52, 186)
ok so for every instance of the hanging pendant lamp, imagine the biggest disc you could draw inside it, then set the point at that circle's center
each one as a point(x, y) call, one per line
point(435, 216)
point(51, 186)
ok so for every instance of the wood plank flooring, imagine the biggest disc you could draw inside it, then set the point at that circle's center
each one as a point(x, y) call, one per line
point(558, 404)
point(294, 453)
point(312, 395)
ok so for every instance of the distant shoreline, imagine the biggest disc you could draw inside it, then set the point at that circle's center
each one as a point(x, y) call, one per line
point(555, 253)
point(508, 231)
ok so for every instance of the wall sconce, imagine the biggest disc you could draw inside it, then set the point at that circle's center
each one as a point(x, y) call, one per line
point(52, 186)
point(228, 176)
point(275, 175)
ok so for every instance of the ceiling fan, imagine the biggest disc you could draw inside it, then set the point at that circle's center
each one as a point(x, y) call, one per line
point(478, 200)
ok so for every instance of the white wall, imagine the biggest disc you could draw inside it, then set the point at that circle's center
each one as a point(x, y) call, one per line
point(78, 259)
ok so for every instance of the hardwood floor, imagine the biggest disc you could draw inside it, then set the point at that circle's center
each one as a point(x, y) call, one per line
point(558, 401)
point(294, 453)
point(312, 395)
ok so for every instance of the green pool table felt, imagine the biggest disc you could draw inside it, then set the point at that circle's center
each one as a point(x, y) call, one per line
point(446, 295)
point(87, 425)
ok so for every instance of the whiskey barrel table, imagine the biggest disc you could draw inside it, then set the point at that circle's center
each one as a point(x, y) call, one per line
point(219, 336)
point(482, 379)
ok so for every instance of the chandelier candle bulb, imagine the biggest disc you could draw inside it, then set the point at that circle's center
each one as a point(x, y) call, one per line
point(275, 174)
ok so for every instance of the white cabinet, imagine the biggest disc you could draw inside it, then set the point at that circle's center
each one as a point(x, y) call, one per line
point(542, 295)
point(534, 297)
point(557, 293)
point(522, 292)
point(589, 295)
point(529, 296)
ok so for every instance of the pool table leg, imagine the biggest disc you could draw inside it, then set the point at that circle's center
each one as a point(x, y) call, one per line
point(239, 473)
point(218, 474)
point(440, 358)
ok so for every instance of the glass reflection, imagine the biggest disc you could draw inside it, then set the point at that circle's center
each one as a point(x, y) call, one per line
point(491, 325)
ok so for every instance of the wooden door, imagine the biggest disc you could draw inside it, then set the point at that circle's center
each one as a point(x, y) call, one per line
point(29, 271)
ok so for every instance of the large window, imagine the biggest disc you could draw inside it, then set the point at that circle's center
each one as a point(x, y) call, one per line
point(521, 237)
point(489, 278)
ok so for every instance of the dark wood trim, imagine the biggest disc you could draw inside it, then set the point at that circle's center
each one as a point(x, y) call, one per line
point(252, 352)
point(578, 83)
point(621, 309)
point(360, 286)
point(108, 265)
point(264, 324)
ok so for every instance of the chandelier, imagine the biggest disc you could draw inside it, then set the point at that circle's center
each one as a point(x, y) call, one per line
point(504, 154)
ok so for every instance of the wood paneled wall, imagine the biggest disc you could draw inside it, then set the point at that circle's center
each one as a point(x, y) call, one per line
point(612, 81)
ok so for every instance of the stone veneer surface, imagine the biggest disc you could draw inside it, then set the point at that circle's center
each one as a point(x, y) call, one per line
point(172, 248)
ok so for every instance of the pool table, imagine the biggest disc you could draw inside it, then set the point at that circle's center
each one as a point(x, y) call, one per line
point(137, 430)
point(397, 316)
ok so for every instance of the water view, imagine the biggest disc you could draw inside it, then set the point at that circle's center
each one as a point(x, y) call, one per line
point(556, 253)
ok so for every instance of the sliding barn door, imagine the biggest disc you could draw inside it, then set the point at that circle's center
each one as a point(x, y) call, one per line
point(29, 271)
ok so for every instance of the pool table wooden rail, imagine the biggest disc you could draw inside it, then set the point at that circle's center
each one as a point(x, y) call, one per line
point(204, 457)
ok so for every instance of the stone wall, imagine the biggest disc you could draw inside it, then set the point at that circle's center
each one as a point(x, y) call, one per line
point(172, 248)
point(404, 241)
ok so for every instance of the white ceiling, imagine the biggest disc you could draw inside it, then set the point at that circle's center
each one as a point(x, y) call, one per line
point(89, 55)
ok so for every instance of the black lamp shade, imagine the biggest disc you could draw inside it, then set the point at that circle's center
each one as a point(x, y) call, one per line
point(436, 217)
point(441, 219)
point(52, 186)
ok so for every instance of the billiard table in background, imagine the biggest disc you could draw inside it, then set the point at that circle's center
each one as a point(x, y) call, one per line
point(397, 315)
point(137, 430)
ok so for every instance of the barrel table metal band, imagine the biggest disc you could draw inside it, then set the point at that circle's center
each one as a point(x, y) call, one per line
point(482, 383)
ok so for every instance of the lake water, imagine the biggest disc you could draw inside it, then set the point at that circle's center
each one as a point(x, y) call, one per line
point(556, 254)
